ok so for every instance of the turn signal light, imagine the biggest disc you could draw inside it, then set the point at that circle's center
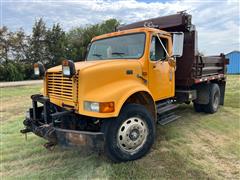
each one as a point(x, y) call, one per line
point(106, 107)
point(100, 107)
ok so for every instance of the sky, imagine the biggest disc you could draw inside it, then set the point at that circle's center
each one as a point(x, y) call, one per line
point(217, 21)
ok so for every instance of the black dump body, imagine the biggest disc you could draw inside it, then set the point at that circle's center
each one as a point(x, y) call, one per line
point(192, 67)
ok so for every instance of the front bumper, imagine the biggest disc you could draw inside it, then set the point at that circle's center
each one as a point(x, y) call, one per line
point(42, 123)
point(73, 138)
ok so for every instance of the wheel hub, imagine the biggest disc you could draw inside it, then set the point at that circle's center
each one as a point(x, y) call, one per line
point(132, 134)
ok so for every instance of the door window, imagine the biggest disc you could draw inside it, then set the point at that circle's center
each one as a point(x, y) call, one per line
point(157, 52)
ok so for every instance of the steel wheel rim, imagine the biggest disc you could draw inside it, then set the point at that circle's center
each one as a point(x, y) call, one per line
point(132, 134)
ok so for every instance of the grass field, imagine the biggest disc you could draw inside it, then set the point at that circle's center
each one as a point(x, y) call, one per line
point(197, 146)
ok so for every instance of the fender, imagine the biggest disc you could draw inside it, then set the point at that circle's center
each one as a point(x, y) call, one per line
point(117, 92)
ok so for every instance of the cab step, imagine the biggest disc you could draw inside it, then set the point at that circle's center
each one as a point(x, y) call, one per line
point(168, 118)
point(166, 108)
point(166, 112)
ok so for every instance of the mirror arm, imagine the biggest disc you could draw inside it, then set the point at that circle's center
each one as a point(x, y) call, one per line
point(163, 45)
point(87, 50)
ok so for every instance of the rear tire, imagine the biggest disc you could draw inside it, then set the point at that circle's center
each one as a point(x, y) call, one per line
point(129, 136)
point(214, 99)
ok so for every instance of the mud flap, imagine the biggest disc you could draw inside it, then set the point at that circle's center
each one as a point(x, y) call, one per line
point(222, 87)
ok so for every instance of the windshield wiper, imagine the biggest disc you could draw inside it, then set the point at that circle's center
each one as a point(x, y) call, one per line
point(98, 55)
point(118, 53)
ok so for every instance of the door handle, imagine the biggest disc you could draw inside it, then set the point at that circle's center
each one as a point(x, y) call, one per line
point(140, 77)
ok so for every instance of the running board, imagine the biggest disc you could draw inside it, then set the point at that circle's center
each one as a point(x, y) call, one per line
point(167, 108)
point(166, 112)
point(163, 120)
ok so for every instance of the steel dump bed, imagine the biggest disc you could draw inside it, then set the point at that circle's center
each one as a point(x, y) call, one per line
point(192, 67)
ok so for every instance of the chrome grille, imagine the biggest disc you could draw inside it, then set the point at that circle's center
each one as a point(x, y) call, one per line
point(61, 87)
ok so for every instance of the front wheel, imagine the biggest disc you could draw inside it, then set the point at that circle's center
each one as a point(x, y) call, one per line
point(131, 135)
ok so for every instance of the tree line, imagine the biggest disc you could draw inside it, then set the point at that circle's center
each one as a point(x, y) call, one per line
point(19, 51)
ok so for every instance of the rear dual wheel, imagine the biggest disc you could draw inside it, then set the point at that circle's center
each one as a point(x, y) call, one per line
point(131, 135)
point(214, 100)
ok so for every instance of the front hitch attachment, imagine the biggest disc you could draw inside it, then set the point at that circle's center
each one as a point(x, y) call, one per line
point(25, 131)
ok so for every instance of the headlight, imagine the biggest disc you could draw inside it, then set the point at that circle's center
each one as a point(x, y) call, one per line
point(91, 106)
point(39, 69)
point(68, 68)
point(102, 107)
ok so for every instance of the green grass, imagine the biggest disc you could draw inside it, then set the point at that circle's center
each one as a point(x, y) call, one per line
point(197, 146)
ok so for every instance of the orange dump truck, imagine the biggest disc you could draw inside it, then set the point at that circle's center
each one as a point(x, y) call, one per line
point(131, 80)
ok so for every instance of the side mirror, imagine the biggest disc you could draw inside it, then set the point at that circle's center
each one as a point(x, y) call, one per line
point(87, 50)
point(178, 38)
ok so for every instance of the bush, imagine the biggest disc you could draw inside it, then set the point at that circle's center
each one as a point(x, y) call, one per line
point(11, 72)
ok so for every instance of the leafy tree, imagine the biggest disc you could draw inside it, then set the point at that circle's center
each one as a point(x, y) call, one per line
point(18, 52)
point(19, 46)
point(37, 44)
point(109, 26)
point(12, 54)
point(79, 38)
point(55, 42)
point(4, 44)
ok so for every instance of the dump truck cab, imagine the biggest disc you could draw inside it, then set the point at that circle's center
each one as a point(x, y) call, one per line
point(118, 65)
point(131, 80)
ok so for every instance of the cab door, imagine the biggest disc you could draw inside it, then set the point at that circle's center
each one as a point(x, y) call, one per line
point(161, 74)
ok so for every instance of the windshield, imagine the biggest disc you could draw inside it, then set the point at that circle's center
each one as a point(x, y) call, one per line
point(129, 46)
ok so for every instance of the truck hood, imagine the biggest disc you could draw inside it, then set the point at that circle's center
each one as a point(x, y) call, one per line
point(87, 64)
point(78, 65)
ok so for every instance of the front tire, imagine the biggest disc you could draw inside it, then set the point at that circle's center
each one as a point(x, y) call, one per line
point(131, 135)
